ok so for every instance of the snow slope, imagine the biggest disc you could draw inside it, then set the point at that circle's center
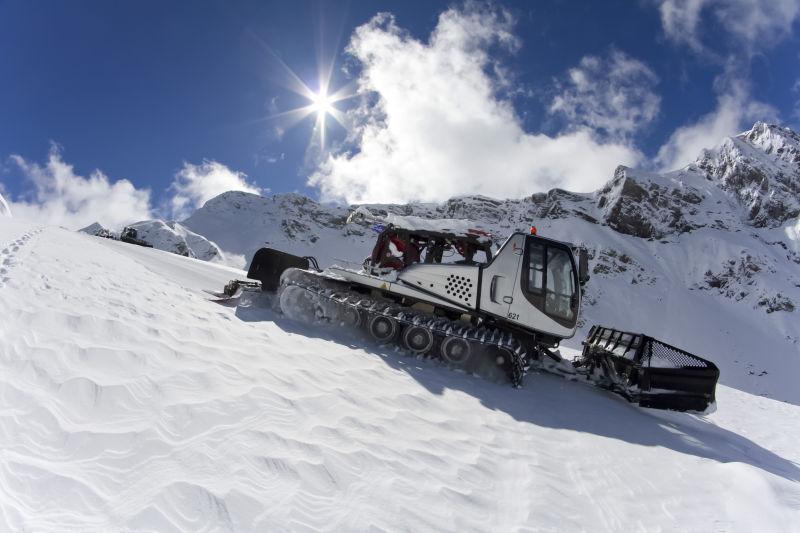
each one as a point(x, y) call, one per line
point(172, 237)
point(129, 403)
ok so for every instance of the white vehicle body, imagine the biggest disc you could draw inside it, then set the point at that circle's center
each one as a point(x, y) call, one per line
point(499, 289)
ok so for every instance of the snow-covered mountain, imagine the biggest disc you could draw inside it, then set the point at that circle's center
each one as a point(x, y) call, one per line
point(129, 402)
point(706, 257)
point(169, 236)
point(174, 237)
point(242, 223)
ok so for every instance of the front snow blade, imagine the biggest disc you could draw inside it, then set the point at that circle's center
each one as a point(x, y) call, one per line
point(648, 371)
point(268, 265)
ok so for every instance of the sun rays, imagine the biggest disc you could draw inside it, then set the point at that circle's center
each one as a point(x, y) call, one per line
point(321, 104)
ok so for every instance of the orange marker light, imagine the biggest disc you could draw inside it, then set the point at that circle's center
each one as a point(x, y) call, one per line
point(533, 230)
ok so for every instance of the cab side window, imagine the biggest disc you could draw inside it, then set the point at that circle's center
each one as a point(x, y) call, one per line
point(535, 268)
point(560, 300)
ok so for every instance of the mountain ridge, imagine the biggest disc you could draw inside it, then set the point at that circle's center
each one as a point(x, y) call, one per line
point(751, 179)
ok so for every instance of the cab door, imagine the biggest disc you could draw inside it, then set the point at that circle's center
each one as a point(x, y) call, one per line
point(500, 277)
point(546, 295)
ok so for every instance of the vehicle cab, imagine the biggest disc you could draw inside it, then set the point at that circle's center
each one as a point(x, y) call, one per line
point(535, 282)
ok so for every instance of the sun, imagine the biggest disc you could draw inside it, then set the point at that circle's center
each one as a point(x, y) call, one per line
point(321, 103)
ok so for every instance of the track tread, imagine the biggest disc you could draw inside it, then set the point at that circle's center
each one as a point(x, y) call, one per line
point(439, 326)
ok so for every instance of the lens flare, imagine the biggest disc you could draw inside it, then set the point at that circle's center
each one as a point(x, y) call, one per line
point(321, 104)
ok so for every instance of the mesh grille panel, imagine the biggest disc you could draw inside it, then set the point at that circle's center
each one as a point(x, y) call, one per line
point(666, 356)
point(459, 288)
point(653, 352)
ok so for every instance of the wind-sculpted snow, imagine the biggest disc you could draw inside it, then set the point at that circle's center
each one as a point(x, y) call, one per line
point(129, 402)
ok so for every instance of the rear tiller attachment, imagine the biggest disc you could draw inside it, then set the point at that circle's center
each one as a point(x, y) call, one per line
point(647, 371)
point(267, 266)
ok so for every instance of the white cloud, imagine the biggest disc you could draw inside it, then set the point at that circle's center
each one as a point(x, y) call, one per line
point(61, 197)
point(735, 110)
point(431, 124)
point(612, 94)
point(680, 19)
point(194, 185)
point(751, 24)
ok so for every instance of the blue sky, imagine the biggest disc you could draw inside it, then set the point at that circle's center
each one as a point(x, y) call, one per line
point(182, 99)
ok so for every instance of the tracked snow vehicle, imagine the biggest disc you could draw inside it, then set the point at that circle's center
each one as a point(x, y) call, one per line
point(442, 292)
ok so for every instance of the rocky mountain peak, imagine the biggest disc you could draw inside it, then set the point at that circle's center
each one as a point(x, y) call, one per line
point(760, 169)
point(774, 139)
point(650, 205)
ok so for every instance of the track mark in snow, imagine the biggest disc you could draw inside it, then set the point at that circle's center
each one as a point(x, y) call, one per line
point(9, 255)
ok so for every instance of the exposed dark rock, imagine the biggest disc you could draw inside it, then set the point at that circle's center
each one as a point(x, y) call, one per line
point(776, 303)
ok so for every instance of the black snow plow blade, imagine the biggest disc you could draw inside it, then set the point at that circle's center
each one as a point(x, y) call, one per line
point(268, 265)
point(647, 371)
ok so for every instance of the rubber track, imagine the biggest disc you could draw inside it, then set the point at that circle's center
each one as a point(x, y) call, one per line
point(441, 326)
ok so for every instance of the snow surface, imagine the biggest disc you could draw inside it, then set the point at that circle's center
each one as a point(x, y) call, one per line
point(129, 402)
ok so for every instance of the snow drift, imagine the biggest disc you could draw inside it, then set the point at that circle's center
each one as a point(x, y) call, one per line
point(129, 402)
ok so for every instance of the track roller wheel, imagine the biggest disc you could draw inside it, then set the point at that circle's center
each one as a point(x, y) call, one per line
point(417, 339)
point(300, 305)
point(383, 328)
point(349, 316)
point(456, 351)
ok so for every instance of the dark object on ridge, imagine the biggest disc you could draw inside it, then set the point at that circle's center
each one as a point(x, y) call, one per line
point(130, 236)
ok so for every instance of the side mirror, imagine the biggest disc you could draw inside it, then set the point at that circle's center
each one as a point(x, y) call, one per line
point(583, 266)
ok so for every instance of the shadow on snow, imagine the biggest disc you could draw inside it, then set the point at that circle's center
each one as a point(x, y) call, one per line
point(553, 402)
